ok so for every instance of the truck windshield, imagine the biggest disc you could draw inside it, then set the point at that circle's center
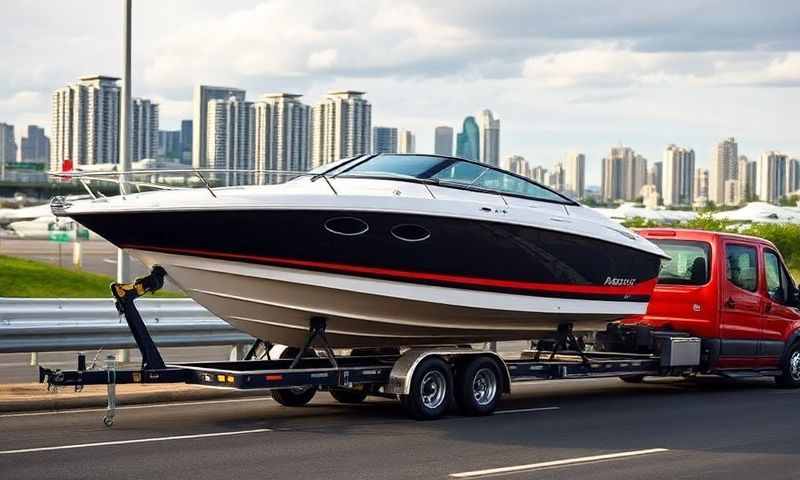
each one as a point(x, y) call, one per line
point(689, 264)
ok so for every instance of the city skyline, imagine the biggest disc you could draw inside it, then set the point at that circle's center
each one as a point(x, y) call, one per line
point(564, 88)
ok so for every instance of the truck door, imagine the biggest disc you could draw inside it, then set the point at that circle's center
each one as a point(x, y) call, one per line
point(740, 309)
point(780, 318)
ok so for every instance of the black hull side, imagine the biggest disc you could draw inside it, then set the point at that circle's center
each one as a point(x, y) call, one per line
point(458, 252)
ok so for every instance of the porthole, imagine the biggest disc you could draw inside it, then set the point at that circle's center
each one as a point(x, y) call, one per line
point(410, 233)
point(347, 226)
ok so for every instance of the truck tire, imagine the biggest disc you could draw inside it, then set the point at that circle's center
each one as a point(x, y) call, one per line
point(348, 395)
point(477, 387)
point(431, 390)
point(296, 396)
point(790, 378)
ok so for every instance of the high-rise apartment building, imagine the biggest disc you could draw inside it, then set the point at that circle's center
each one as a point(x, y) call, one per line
point(186, 141)
point(406, 142)
point(230, 138)
point(169, 145)
point(201, 97)
point(539, 175)
point(724, 166)
point(86, 119)
point(384, 140)
point(623, 174)
point(700, 186)
point(8, 147)
point(443, 141)
point(771, 176)
point(36, 146)
point(575, 174)
point(490, 138)
point(144, 129)
point(518, 165)
point(282, 133)
point(655, 176)
point(792, 176)
point(342, 127)
point(745, 192)
point(555, 179)
point(731, 194)
point(678, 176)
point(468, 141)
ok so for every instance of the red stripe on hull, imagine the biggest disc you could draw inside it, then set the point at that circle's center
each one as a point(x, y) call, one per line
point(643, 288)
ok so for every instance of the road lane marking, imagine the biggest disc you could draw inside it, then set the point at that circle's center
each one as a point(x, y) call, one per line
point(556, 463)
point(136, 407)
point(524, 410)
point(138, 440)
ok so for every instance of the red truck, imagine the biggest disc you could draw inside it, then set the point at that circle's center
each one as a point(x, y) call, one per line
point(735, 293)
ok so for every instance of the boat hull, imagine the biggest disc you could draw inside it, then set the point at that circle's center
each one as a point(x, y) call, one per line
point(276, 303)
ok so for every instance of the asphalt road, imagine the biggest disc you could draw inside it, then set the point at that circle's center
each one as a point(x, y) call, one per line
point(706, 429)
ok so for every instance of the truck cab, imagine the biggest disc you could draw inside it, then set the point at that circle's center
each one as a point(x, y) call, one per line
point(735, 293)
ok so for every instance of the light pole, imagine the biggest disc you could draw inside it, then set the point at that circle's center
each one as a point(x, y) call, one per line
point(123, 260)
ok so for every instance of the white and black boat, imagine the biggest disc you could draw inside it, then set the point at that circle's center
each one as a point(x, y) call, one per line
point(391, 249)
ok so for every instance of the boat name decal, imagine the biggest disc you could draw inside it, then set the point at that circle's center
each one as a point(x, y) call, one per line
point(620, 282)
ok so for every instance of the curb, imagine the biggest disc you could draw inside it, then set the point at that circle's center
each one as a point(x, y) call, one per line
point(101, 401)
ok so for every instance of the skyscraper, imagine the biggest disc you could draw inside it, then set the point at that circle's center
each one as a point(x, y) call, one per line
point(655, 176)
point(406, 143)
point(771, 176)
point(384, 140)
point(200, 99)
point(86, 122)
point(575, 174)
point(792, 176)
point(490, 138)
point(678, 176)
point(741, 169)
point(169, 145)
point(230, 138)
point(518, 165)
point(342, 127)
point(36, 146)
point(724, 166)
point(700, 186)
point(468, 140)
point(539, 174)
point(186, 141)
point(144, 129)
point(443, 141)
point(623, 174)
point(555, 179)
point(282, 133)
point(8, 147)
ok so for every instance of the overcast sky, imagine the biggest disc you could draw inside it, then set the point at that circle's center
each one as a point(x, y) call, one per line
point(560, 75)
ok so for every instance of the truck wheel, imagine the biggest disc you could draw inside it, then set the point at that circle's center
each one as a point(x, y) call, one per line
point(295, 396)
point(431, 387)
point(349, 395)
point(791, 369)
point(632, 378)
point(478, 387)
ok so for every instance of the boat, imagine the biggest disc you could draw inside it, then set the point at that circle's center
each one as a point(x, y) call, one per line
point(391, 249)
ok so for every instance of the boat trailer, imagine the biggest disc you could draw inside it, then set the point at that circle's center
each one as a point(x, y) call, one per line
point(351, 378)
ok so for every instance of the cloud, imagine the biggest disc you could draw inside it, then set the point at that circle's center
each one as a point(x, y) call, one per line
point(22, 101)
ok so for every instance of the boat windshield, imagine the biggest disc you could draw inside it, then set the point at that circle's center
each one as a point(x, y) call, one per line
point(452, 172)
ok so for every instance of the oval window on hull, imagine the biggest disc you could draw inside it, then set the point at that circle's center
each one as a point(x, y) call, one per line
point(410, 233)
point(347, 226)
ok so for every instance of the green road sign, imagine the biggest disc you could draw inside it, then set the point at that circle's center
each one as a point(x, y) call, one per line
point(61, 237)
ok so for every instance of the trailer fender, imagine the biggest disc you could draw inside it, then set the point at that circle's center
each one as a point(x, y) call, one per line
point(403, 369)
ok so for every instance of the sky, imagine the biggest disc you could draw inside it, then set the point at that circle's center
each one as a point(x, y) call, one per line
point(561, 75)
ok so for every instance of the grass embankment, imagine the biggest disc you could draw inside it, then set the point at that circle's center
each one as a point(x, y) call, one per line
point(30, 279)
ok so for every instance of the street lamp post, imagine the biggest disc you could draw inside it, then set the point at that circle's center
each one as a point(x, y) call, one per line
point(123, 260)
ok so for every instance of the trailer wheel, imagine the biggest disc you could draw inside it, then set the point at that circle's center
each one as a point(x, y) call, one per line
point(349, 395)
point(431, 389)
point(790, 378)
point(478, 387)
point(296, 396)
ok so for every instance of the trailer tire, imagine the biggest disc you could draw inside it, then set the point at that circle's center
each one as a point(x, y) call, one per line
point(431, 390)
point(346, 395)
point(790, 378)
point(296, 396)
point(478, 387)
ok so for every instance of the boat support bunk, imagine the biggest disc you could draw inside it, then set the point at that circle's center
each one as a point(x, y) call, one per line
point(426, 380)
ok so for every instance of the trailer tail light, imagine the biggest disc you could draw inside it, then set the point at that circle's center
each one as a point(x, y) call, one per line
point(221, 378)
point(274, 378)
point(229, 378)
point(659, 233)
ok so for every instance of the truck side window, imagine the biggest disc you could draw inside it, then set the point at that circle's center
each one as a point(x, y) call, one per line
point(741, 266)
point(776, 281)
